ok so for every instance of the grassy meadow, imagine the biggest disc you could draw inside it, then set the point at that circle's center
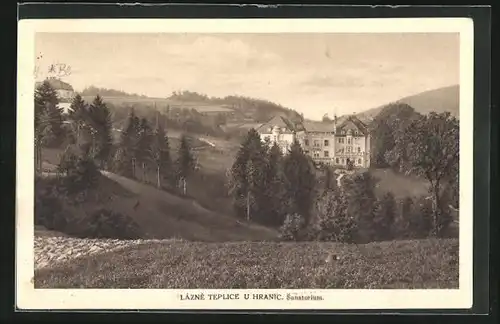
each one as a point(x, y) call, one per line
point(415, 264)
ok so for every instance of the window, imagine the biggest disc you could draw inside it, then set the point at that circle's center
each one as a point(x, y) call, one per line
point(306, 142)
point(342, 150)
point(341, 140)
point(268, 138)
point(316, 143)
point(359, 161)
point(348, 141)
point(326, 153)
point(348, 149)
point(306, 152)
point(359, 149)
point(343, 162)
point(337, 160)
point(316, 154)
point(326, 143)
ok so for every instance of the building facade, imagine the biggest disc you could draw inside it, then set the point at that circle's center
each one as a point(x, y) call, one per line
point(325, 142)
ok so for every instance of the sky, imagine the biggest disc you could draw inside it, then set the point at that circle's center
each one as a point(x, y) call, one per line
point(313, 73)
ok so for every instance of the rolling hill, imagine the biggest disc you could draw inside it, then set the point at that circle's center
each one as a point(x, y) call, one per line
point(162, 215)
point(438, 100)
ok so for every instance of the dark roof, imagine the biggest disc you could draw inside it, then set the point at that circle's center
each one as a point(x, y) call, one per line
point(57, 84)
point(361, 126)
point(279, 121)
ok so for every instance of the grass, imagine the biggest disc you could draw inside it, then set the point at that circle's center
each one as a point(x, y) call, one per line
point(417, 264)
point(400, 185)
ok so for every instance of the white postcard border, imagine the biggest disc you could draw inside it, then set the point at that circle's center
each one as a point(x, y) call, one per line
point(29, 298)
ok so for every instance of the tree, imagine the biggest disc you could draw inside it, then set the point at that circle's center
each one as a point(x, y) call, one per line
point(143, 150)
point(272, 209)
point(332, 222)
point(48, 116)
point(433, 152)
point(292, 227)
point(100, 123)
point(361, 203)
point(160, 153)
point(385, 216)
point(124, 163)
point(78, 114)
point(248, 177)
point(299, 182)
point(185, 162)
point(401, 228)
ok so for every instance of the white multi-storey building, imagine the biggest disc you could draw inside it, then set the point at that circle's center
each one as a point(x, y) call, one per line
point(325, 142)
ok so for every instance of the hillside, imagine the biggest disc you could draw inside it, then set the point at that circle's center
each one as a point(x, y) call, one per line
point(162, 215)
point(438, 100)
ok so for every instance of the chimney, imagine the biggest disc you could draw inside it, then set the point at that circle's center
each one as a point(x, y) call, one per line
point(335, 122)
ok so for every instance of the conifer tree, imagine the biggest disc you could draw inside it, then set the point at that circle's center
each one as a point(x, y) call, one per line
point(126, 154)
point(48, 116)
point(273, 209)
point(78, 113)
point(143, 149)
point(160, 153)
point(101, 125)
point(299, 182)
point(332, 222)
point(185, 162)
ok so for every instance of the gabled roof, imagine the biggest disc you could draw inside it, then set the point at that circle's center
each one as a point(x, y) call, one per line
point(279, 121)
point(313, 126)
point(361, 126)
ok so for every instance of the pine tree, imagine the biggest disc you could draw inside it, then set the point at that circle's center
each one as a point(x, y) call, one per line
point(248, 181)
point(299, 182)
point(144, 141)
point(48, 116)
point(78, 114)
point(273, 210)
point(185, 162)
point(126, 154)
point(100, 122)
point(160, 153)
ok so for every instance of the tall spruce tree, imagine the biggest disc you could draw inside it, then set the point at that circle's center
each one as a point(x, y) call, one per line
point(299, 182)
point(143, 151)
point(185, 163)
point(101, 125)
point(126, 154)
point(273, 210)
point(48, 116)
point(78, 114)
point(160, 153)
point(248, 177)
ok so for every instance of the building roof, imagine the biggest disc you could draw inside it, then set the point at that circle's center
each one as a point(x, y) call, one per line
point(280, 121)
point(314, 126)
point(358, 124)
point(57, 84)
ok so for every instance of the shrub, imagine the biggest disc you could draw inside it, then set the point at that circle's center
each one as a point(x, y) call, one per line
point(332, 222)
point(292, 228)
point(49, 207)
point(104, 223)
point(82, 175)
point(385, 215)
point(420, 224)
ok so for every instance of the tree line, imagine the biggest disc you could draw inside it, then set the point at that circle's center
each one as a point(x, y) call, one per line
point(281, 189)
point(88, 136)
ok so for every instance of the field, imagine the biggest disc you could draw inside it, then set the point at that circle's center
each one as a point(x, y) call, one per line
point(399, 264)
point(161, 103)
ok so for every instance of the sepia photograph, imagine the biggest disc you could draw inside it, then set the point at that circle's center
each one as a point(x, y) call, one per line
point(246, 166)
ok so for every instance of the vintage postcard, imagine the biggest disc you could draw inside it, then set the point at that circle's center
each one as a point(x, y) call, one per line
point(216, 164)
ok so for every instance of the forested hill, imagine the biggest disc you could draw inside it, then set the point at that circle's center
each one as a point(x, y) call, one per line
point(258, 110)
